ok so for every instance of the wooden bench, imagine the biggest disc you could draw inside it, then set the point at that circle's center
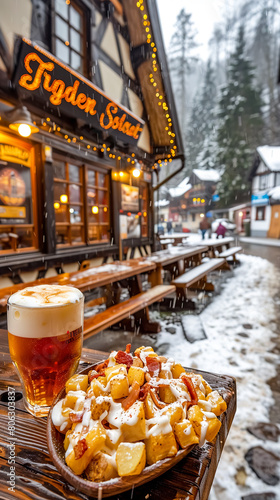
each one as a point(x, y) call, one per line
point(197, 277)
point(231, 252)
point(122, 310)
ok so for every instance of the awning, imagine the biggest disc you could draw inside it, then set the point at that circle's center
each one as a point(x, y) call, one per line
point(260, 199)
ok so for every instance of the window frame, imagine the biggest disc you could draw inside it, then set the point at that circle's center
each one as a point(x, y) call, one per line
point(85, 223)
point(34, 226)
point(263, 213)
point(84, 34)
point(97, 188)
point(68, 182)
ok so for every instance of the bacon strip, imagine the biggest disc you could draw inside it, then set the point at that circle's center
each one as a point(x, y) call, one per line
point(92, 374)
point(124, 358)
point(76, 417)
point(156, 400)
point(144, 391)
point(189, 383)
point(132, 397)
point(80, 448)
point(153, 365)
point(102, 366)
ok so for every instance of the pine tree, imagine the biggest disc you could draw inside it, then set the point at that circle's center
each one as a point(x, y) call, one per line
point(202, 129)
point(181, 59)
point(240, 126)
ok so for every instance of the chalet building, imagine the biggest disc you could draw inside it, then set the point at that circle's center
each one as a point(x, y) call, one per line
point(265, 177)
point(87, 118)
point(199, 200)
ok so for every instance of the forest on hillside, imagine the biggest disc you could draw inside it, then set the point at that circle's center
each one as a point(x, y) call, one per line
point(229, 105)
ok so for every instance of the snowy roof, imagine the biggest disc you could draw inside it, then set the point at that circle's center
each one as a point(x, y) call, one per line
point(270, 155)
point(161, 203)
point(274, 193)
point(207, 175)
point(181, 189)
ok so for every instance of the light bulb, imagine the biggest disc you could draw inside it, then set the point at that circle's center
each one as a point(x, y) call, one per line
point(24, 130)
point(136, 172)
point(64, 198)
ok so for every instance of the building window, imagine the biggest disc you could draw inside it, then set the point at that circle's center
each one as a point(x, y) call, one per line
point(18, 201)
point(68, 203)
point(263, 181)
point(69, 34)
point(260, 213)
point(98, 214)
point(193, 217)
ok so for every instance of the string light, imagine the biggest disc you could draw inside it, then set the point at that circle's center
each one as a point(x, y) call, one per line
point(146, 23)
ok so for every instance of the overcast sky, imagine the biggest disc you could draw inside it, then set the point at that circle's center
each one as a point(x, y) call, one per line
point(205, 14)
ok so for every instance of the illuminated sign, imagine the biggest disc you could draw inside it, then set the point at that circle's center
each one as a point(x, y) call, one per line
point(40, 77)
point(14, 153)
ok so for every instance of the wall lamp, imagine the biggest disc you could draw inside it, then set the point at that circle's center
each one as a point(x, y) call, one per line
point(21, 121)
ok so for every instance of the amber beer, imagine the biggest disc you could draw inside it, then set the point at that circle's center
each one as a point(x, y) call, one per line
point(45, 329)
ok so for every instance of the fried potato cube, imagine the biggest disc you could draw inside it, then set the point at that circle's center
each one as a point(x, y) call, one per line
point(134, 428)
point(137, 374)
point(184, 433)
point(95, 441)
point(66, 441)
point(98, 407)
point(119, 387)
point(112, 371)
point(165, 373)
point(160, 446)
point(166, 395)
point(97, 387)
point(100, 468)
point(177, 369)
point(218, 405)
point(113, 438)
point(77, 383)
point(71, 399)
point(174, 413)
point(130, 458)
point(207, 387)
point(150, 407)
point(199, 418)
point(195, 416)
point(137, 362)
point(145, 349)
point(213, 428)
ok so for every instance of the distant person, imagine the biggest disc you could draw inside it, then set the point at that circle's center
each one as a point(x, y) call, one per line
point(204, 226)
point(221, 230)
point(169, 227)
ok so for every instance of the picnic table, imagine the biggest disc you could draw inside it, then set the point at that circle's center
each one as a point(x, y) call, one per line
point(37, 477)
point(216, 244)
point(173, 238)
point(112, 276)
point(175, 260)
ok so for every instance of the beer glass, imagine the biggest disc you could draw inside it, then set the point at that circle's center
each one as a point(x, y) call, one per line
point(45, 330)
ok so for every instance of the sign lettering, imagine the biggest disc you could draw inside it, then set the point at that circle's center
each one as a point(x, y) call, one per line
point(41, 77)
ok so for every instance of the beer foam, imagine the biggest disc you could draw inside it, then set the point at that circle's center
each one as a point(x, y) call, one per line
point(32, 312)
point(46, 295)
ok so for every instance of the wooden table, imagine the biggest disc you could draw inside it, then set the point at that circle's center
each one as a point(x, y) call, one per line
point(174, 238)
point(88, 279)
point(37, 477)
point(215, 244)
point(175, 260)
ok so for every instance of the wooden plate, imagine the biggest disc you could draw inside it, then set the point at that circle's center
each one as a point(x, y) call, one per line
point(106, 488)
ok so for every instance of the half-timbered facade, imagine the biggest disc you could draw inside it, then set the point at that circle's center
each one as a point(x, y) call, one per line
point(265, 201)
point(90, 80)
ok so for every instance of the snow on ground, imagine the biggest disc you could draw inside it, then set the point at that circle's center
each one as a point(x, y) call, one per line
point(240, 325)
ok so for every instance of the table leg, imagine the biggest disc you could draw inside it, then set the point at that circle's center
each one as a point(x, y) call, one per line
point(155, 277)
